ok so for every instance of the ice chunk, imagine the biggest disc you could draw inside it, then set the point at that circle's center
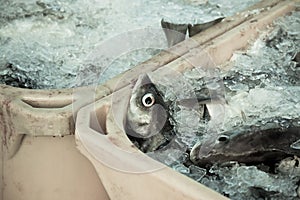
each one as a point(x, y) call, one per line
point(289, 166)
point(248, 180)
point(170, 157)
point(296, 145)
point(196, 173)
point(181, 168)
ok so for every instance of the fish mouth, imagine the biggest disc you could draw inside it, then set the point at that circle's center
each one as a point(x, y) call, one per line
point(143, 131)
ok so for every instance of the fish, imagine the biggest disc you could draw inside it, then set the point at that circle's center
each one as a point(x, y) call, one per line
point(148, 116)
point(147, 121)
point(268, 142)
point(197, 28)
point(176, 32)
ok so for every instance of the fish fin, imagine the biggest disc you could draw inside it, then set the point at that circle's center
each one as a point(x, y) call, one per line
point(174, 33)
point(143, 79)
point(197, 28)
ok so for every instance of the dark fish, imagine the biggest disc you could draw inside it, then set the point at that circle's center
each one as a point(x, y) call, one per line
point(147, 121)
point(266, 142)
point(296, 59)
point(197, 28)
point(176, 33)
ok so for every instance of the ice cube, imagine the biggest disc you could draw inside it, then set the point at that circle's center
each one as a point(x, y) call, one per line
point(196, 172)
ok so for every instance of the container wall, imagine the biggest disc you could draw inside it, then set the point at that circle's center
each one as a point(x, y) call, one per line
point(1, 169)
point(50, 168)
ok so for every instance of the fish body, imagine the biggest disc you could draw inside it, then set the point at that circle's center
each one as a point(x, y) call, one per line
point(267, 142)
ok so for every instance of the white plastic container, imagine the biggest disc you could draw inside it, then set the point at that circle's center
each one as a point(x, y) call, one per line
point(126, 172)
point(39, 159)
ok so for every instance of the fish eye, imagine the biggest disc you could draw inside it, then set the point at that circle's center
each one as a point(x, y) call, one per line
point(148, 100)
point(223, 138)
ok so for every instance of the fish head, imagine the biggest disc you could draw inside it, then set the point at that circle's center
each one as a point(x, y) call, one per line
point(147, 112)
point(267, 142)
point(215, 149)
point(241, 144)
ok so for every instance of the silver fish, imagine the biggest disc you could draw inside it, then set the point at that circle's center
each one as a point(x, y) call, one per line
point(147, 121)
point(267, 142)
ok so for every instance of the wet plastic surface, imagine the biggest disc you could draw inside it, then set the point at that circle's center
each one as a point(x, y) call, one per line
point(50, 168)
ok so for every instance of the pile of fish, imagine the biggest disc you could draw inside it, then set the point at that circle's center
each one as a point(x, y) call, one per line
point(253, 151)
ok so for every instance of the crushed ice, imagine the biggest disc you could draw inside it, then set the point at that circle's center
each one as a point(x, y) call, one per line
point(45, 43)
